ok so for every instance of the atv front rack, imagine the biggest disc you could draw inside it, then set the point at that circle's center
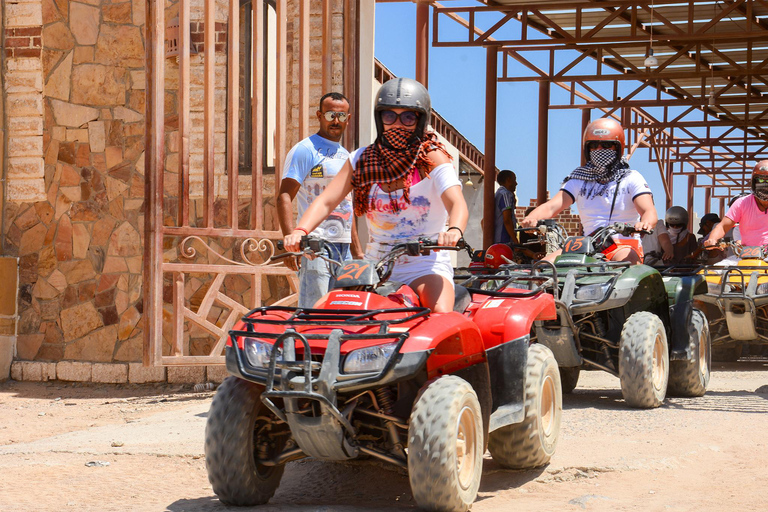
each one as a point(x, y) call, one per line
point(330, 367)
point(740, 282)
point(549, 277)
point(499, 282)
point(316, 317)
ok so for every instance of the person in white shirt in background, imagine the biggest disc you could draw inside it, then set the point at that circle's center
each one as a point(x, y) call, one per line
point(605, 191)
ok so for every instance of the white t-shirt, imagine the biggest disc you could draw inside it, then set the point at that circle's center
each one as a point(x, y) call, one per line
point(595, 212)
point(425, 216)
point(313, 162)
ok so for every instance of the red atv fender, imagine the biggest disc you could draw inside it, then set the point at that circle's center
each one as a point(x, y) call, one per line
point(454, 341)
point(505, 319)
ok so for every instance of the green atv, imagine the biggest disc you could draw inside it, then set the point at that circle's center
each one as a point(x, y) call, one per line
point(627, 320)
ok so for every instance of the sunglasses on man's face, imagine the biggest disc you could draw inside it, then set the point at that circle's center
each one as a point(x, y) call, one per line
point(600, 144)
point(407, 118)
point(677, 225)
point(331, 115)
point(761, 179)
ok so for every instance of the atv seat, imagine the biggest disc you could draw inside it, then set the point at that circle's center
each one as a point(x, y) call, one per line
point(463, 298)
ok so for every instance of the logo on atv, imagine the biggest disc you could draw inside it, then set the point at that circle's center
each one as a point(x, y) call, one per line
point(601, 131)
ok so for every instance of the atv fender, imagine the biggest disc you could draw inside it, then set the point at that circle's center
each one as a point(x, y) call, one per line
point(453, 341)
point(647, 293)
point(686, 287)
point(506, 364)
point(505, 319)
point(560, 339)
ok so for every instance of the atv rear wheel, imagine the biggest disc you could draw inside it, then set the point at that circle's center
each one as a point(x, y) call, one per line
point(643, 361)
point(234, 431)
point(445, 445)
point(532, 442)
point(691, 377)
point(569, 378)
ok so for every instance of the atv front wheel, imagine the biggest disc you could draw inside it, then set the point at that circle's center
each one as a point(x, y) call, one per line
point(238, 426)
point(643, 361)
point(532, 442)
point(445, 445)
point(569, 378)
point(691, 377)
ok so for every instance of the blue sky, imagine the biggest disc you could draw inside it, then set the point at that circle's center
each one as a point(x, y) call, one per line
point(457, 89)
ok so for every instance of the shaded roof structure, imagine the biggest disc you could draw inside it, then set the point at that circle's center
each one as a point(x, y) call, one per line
point(687, 79)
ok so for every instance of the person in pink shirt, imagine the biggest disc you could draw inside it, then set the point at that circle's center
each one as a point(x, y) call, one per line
point(749, 212)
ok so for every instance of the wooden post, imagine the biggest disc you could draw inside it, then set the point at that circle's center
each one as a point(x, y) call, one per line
point(489, 164)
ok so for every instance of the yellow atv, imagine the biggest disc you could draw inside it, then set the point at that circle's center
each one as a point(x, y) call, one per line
point(736, 304)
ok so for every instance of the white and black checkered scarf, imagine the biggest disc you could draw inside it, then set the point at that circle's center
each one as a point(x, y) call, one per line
point(602, 169)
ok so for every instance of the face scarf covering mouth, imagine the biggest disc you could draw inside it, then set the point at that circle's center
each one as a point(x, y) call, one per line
point(761, 191)
point(676, 234)
point(392, 157)
point(602, 169)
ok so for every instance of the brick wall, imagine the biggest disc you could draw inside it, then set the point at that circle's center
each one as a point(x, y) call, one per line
point(23, 42)
point(23, 74)
point(570, 221)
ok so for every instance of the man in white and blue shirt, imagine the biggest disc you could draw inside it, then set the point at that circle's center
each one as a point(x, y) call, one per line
point(309, 168)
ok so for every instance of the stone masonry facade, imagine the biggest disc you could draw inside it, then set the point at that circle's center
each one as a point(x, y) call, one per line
point(74, 99)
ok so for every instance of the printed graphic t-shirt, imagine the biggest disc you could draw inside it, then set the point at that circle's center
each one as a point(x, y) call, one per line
point(753, 223)
point(424, 216)
point(505, 200)
point(313, 162)
point(595, 212)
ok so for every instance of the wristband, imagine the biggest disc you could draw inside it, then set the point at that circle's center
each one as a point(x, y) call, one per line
point(299, 228)
point(457, 229)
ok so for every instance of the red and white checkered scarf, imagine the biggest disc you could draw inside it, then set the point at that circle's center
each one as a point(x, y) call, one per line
point(389, 159)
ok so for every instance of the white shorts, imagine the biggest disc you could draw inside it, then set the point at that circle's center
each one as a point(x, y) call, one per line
point(409, 268)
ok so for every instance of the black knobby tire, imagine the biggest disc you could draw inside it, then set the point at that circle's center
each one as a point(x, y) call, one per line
point(691, 377)
point(569, 378)
point(230, 444)
point(532, 442)
point(644, 361)
point(445, 445)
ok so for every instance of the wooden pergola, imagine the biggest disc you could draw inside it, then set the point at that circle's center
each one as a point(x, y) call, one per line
point(701, 108)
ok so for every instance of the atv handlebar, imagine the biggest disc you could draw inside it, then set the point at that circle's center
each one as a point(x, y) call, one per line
point(314, 247)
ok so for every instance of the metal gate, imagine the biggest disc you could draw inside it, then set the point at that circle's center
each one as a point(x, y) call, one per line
point(207, 237)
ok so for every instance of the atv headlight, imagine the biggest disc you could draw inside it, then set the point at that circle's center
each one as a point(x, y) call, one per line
point(592, 291)
point(762, 289)
point(369, 359)
point(258, 352)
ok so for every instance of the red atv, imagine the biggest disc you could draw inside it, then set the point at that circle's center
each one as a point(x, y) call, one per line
point(368, 372)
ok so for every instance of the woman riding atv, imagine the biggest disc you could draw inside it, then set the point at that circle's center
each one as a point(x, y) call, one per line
point(398, 183)
point(749, 212)
point(605, 191)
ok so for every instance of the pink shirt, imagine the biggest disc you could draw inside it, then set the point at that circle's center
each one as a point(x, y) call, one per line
point(753, 223)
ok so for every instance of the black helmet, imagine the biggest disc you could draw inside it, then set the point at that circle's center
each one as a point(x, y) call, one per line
point(403, 93)
point(676, 215)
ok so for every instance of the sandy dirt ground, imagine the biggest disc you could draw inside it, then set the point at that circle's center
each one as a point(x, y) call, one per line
point(87, 448)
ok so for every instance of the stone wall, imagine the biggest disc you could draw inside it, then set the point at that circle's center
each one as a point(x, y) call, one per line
point(79, 240)
point(75, 84)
